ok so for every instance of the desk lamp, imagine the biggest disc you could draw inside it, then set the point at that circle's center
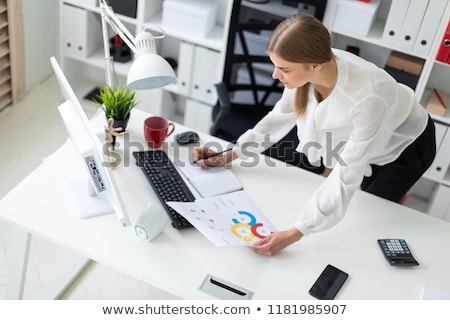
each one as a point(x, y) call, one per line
point(149, 70)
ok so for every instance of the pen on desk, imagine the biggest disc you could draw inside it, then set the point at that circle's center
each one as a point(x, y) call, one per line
point(212, 155)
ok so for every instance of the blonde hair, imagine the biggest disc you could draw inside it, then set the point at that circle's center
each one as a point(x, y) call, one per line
point(301, 38)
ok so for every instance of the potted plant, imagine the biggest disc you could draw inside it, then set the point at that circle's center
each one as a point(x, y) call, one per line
point(117, 103)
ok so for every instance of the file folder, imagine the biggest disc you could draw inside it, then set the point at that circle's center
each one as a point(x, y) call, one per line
point(205, 75)
point(394, 22)
point(440, 206)
point(184, 70)
point(441, 130)
point(429, 26)
point(443, 53)
point(411, 26)
point(81, 31)
point(441, 163)
point(197, 115)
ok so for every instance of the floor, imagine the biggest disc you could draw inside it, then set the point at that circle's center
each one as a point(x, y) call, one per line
point(37, 116)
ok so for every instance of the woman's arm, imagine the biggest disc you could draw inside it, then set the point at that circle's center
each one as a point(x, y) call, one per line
point(277, 241)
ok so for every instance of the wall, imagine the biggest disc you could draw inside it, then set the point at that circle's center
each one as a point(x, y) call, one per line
point(41, 26)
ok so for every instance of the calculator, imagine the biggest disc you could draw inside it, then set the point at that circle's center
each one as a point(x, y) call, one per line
point(397, 253)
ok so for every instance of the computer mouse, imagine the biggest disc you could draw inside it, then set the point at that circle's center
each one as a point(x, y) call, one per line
point(187, 137)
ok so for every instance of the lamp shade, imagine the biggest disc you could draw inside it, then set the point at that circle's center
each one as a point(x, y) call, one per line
point(149, 70)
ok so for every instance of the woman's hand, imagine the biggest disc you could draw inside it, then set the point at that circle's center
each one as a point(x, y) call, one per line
point(202, 156)
point(277, 241)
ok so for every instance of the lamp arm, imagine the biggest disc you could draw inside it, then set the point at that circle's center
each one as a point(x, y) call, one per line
point(106, 48)
point(108, 17)
point(158, 71)
point(117, 26)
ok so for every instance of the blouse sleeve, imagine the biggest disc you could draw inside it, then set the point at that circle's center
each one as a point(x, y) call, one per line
point(329, 202)
point(270, 129)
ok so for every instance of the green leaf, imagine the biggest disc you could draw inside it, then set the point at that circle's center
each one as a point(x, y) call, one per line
point(117, 102)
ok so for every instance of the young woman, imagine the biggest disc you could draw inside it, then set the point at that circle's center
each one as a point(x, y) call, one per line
point(367, 129)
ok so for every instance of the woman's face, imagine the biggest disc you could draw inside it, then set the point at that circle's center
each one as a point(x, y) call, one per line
point(291, 74)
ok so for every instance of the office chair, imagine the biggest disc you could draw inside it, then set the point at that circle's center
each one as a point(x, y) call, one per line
point(248, 92)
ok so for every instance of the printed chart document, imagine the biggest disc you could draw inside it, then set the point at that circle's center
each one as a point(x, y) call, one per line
point(230, 219)
point(210, 181)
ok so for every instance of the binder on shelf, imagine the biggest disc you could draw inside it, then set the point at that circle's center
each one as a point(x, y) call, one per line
point(441, 162)
point(440, 132)
point(443, 53)
point(412, 23)
point(205, 75)
point(185, 66)
point(440, 206)
point(197, 116)
point(197, 72)
point(394, 22)
point(429, 26)
point(81, 31)
point(70, 14)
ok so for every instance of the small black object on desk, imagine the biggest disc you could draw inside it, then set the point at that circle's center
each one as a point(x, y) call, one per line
point(187, 137)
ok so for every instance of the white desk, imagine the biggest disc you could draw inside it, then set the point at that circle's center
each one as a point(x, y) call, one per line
point(178, 261)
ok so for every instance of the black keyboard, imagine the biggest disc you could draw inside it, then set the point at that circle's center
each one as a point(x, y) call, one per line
point(166, 182)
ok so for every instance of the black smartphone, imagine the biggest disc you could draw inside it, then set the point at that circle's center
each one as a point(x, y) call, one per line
point(328, 283)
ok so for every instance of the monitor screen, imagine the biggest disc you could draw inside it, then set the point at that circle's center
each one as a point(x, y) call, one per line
point(96, 193)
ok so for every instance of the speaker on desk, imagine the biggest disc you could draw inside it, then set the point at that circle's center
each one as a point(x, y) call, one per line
point(151, 222)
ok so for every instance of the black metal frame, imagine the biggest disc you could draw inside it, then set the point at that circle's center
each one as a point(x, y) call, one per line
point(231, 119)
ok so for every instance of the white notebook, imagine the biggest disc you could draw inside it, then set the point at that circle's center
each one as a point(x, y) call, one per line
point(210, 182)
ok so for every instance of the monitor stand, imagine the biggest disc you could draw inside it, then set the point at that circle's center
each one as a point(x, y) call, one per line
point(86, 201)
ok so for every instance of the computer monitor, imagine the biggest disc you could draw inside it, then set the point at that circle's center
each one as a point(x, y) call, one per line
point(96, 193)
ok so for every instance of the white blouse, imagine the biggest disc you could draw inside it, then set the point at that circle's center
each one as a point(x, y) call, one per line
point(368, 118)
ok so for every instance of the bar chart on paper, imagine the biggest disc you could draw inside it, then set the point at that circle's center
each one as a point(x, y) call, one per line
point(231, 219)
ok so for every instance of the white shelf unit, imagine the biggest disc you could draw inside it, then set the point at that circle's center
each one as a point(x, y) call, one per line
point(86, 71)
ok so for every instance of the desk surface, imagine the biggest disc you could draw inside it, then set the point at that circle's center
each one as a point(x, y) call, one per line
point(178, 261)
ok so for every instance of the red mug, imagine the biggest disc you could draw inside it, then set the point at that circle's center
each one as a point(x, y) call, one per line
point(156, 130)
